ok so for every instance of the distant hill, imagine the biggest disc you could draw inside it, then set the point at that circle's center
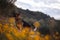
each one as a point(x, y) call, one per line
point(33, 14)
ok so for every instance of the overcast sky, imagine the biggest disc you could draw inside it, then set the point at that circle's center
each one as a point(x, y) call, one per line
point(50, 7)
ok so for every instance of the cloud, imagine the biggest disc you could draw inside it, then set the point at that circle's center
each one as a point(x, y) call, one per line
point(52, 12)
point(50, 7)
point(41, 3)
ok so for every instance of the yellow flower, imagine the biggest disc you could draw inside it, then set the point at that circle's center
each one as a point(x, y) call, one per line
point(31, 33)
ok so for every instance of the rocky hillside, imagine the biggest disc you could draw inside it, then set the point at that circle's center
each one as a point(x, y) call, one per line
point(33, 14)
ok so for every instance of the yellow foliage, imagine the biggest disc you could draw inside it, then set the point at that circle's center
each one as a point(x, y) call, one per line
point(30, 38)
point(11, 20)
point(16, 33)
point(26, 33)
point(22, 35)
point(47, 37)
point(27, 29)
point(36, 24)
point(34, 35)
point(37, 37)
point(38, 33)
point(0, 27)
point(5, 27)
point(9, 36)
